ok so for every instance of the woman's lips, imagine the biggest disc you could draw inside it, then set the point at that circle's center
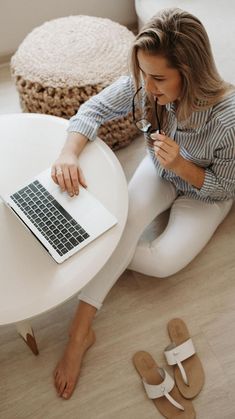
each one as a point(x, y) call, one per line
point(157, 97)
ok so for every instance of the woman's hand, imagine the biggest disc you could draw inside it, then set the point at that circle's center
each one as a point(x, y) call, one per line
point(67, 174)
point(168, 154)
point(166, 151)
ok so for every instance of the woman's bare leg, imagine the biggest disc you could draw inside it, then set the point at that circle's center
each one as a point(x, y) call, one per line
point(81, 337)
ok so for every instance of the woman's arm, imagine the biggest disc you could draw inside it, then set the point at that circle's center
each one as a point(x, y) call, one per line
point(216, 181)
point(114, 101)
point(219, 182)
point(190, 172)
point(75, 143)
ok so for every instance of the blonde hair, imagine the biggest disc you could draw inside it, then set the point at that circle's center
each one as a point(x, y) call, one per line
point(181, 38)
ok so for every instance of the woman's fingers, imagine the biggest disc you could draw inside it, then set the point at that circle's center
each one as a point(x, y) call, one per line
point(68, 181)
point(163, 145)
point(53, 174)
point(59, 173)
point(77, 176)
point(68, 178)
point(82, 179)
point(161, 137)
point(74, 179)
point(160, 152)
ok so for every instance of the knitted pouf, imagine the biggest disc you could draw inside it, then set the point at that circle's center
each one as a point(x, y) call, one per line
point(63, 62)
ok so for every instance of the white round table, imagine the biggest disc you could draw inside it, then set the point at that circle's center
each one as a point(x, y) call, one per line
point(31, 282)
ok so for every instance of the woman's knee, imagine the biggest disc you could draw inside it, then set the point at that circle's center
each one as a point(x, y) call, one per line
point(159, 263)
point(164, 269)
point(166, 265)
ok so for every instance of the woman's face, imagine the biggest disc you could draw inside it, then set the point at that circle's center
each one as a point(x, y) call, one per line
point(161, 81)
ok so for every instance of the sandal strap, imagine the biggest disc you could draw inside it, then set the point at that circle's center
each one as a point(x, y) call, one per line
point(154, 391)
point(176, 354)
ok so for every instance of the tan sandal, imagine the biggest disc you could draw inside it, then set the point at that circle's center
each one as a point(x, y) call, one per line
point(160, 387)
point(188, 370)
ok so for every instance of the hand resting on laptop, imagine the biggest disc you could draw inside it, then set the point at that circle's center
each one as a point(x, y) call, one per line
point(66, 171)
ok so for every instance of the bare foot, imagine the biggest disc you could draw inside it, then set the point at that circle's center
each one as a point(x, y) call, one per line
point(68, 368)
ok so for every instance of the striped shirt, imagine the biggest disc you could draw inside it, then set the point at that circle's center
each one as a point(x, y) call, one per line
point(211, 145)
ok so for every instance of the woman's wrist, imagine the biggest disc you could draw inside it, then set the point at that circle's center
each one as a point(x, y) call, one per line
point(190, 172)
point(74, 144)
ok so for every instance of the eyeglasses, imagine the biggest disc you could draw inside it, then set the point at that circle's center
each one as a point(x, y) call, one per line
point(143, 124)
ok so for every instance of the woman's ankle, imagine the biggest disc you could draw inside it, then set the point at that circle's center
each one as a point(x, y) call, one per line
point(82, 321)
point(83, 339)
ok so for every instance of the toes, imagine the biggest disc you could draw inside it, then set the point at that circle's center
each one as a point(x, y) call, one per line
point(61, 387)
point(68, 390)
point(60, 383)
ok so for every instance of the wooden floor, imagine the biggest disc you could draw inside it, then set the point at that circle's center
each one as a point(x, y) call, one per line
point(134, 317)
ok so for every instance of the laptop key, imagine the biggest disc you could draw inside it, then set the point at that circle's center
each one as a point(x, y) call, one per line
point(64, 250)
point(69, 245)
point(80, 239)
point(74, 241)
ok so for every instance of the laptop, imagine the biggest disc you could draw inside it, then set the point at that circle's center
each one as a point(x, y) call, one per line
point(63, 225)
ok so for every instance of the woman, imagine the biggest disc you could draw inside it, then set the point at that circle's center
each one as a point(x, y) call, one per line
point(188, 115)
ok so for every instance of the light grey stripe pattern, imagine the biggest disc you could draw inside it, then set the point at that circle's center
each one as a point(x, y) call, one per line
point(207, 138)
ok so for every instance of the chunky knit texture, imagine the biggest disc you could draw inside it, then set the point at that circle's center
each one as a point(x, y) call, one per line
point(63, 62)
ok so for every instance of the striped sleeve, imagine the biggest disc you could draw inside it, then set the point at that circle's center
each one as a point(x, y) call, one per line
point(219, 182)
point(112, 102)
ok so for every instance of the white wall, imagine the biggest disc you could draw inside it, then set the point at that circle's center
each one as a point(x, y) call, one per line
point(218, 17)
point(19, 17)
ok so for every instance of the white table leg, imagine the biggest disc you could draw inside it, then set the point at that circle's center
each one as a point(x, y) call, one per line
point(26, 332)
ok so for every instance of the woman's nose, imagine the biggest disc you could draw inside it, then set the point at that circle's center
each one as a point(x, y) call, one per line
point(149, 84)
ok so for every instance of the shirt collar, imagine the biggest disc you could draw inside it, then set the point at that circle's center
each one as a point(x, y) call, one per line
point(196, 119)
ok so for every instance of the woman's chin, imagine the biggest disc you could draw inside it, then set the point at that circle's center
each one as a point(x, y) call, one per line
point(162, 100)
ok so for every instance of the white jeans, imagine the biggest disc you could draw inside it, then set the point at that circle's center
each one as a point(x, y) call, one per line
point(191, 225)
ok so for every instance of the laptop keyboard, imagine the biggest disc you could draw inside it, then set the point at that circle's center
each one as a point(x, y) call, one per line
point(49, 217)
